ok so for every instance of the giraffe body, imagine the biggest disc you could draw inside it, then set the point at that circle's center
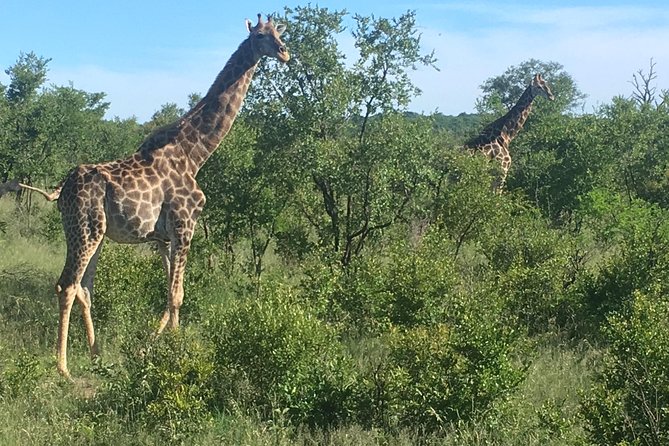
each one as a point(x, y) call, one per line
point(493, 141)
point(151, 196)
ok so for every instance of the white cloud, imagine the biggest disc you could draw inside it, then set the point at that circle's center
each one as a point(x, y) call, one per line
point(600, 57)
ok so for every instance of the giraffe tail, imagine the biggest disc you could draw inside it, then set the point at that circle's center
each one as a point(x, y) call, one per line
point(49, 196)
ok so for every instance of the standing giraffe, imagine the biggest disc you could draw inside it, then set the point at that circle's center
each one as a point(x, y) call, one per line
point(152, 195)
point(493, 141)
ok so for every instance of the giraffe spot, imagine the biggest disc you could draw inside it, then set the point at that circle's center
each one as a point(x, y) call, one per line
point(134, 195)
point(192, 136)
point(142, 184)
point(133, 223)
point(146, 213)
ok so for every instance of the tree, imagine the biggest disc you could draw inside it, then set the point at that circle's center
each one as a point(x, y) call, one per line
point(645, 92)
point(500, 93)
point(327, 109)
point(47, 130)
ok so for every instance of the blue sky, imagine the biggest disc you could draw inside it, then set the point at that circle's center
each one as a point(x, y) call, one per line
point(143, 54)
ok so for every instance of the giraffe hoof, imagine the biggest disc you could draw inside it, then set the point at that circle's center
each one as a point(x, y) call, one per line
point(66, 374)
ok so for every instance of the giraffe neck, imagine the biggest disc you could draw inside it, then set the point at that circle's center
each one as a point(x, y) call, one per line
point(514, 120)
point(206, 124)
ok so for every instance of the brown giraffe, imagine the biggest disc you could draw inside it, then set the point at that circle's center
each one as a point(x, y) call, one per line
point(493, 141)
point(153, 194)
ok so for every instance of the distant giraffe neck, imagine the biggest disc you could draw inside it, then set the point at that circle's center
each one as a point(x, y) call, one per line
point(207, 123)
point(514, 120)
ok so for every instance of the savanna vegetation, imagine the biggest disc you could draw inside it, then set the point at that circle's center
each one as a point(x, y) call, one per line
point(353, 279)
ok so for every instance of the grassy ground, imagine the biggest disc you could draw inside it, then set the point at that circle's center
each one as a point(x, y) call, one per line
point(38, 407)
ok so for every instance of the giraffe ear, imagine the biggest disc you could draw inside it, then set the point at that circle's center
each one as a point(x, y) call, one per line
point(280, 28)
point(249, 25)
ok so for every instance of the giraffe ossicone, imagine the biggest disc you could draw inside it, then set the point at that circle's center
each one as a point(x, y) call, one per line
point(151, 196)
point(494, 139)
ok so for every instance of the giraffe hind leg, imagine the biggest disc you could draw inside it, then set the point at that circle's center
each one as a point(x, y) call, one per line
point(85, 298)
point(82, 251)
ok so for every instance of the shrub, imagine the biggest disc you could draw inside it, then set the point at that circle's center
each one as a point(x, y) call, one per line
point(636, 236)
point(448, 373)
point(273, 354)
point(166, 385)
point(402, 286)
point(27, 305)
point(629, 403)
point(20, 376)
point(130, 290)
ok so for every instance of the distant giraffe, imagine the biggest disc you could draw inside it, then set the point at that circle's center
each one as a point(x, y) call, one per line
point(152, 195)
point(493, 141)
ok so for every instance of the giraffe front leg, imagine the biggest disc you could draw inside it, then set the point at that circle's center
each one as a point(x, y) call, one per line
point(177, 266)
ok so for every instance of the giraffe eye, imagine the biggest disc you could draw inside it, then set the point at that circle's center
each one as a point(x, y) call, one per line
point(260, 36)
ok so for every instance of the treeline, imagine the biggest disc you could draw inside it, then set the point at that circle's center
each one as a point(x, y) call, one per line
point(369, 276)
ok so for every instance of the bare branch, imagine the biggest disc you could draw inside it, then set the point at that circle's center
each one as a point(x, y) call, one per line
point(644, 91)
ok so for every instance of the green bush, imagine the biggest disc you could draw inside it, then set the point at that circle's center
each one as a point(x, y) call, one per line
point(274, 355)
point(28, 306)
point(19, 376)
point(635, 236)
point(449, 373)
point(130, 290)
point(629, 403)
point(404, 285)
point(166, 385)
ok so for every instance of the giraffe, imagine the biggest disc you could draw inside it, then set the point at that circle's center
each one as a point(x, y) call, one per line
point(151, 196)
point(493, 141)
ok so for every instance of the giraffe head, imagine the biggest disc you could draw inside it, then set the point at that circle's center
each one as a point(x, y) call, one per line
point(265, 39)
point(540, 88)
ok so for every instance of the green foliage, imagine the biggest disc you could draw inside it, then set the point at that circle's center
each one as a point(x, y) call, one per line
point(500, 93)
point(637, 235)
point(326, 114)
point(559, 161)
point(274, 355)
point(630, 400)
point(166, 385)
point(464, 203)
point(44, 131)
point(536, 269)
point(248, 191)
point(406, 287)
point(637, 136)
point(26, 304)
point(130, 290)
point(20, 376)
point(442, 374)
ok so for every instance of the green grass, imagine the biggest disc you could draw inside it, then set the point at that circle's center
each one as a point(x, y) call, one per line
point(544, 410)
point(38, 407)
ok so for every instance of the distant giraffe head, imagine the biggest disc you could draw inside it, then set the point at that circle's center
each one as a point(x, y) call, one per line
point(540, 88)
point(266, 39)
